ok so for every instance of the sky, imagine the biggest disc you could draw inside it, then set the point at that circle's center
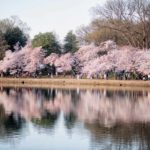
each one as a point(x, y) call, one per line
point(58, 16)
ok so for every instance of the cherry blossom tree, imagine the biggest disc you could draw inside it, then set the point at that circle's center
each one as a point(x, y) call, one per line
point(65, 63)
point(27, 59)
point(89, 60)
point(142, 62)
point(33, 59)
point(51, 58)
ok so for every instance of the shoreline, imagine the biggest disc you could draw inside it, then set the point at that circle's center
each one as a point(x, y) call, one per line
point(73, 83)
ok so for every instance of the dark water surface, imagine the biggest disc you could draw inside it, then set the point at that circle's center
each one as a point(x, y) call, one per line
point(74, 119)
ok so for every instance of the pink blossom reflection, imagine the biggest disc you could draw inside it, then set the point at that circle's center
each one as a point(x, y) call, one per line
point(107, 107)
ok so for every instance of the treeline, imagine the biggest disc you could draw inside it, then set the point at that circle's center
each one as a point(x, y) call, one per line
point(123, 21)
point(14, 34)
point(51, 44)
point(126, 22)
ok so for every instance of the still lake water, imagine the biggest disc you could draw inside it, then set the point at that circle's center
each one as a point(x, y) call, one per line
point(74, 119)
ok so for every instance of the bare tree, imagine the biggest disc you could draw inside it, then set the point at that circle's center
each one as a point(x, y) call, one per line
point(130, 18)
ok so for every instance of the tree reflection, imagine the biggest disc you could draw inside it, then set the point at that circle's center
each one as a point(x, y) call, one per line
point(90, 105)
point(47, 121)
point(120, 117)
point(2, 114)
point(13, 122)
point(70, 120)
point(120, 137)
point(10, 124)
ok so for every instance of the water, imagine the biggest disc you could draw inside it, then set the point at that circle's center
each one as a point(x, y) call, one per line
point(74, 119)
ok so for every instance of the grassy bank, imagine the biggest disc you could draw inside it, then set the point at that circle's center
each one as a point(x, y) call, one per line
point(73, 82)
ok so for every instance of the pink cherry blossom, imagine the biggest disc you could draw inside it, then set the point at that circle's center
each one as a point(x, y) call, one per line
point(89, 60)
point(64, 63)
point(51, 58)
point(27, 59)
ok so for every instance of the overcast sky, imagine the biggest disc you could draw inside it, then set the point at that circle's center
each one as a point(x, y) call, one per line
point(50, 15)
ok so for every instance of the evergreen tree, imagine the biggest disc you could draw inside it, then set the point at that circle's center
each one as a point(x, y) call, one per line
point(15, 35)
point(71, 43)
point(3, 46)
